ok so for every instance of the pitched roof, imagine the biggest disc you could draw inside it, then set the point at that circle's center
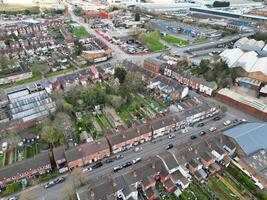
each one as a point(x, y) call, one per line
point(250, 136)
point(21, 167)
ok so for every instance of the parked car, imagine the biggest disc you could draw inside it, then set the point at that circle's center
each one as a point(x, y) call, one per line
point(119, 156)
point(184, 131)
point(169, 146)
point(97, 165)
point(49, 184)
point(137, 160)
point(117, 168)
point(200, 125)
point(137, 149)
point(193, 137)
point(172, 135)
point(13, 198)
point(212, 129)
point(216, 118)
point(88, 169)
point(109, 160)
point(227, 122)
point(202, 133)
point(59, 180)
point(4, 146)
point(205, 95)
point(127, 164)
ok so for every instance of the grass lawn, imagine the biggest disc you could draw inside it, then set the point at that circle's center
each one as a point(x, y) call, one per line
point(200, 41)
point(51, 74)
point(36, 75)
point(174, 40)
point(32, 150)
point(103, 122)
point(12, 188)
point(152, 41)
point(81, 32)
point(1, 161)
point(198, 192)
point(226, 189)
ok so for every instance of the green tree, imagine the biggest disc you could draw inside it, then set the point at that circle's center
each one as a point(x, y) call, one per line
point(50, 134)
point(77, 177)
point(133, 83)
point(120, 73)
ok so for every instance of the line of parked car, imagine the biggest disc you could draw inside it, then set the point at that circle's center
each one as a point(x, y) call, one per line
point(127, 164)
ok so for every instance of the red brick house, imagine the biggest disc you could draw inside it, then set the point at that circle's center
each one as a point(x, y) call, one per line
point(129, 138)
point(153, 65)
point(38, 165)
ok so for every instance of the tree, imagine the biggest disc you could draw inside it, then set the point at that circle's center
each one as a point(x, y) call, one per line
point(68, 192)
point(63, 125)
point(149, 27)
point(133, 83)
point(50, 134)
point(120, 73)
point(4, 62)
point(117, 101)
point(77, 177)
point(24, 195)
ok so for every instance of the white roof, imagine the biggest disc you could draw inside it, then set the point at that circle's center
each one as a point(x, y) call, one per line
point(247, 60)
point(265, 48)
point(242, 40)
point(263, 89)
point(231, 56)
point(260, 44)
point(260, 66)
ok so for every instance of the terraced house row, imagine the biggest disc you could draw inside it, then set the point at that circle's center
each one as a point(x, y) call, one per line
point(114, 142)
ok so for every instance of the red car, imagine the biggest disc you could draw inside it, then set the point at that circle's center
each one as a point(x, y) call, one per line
point(205, 95)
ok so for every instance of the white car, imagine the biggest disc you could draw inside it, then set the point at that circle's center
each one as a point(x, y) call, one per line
point(184, 131)
point(212, 129)
point(227, 122)
point(171, 136)
point(137, 160)
point(88, 169)
point(4, 146)
point(137, 149)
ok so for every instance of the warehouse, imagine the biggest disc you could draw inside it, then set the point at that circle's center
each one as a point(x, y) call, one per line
point(249, 61)
point(246, 44)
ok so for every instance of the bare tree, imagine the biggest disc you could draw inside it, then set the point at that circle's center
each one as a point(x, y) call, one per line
point(68, 192)
point(24, 195)
point(77, 177)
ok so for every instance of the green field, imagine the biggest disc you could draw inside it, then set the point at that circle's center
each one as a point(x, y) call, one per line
point(174, 40)
point(151, 40)
point(81, 32)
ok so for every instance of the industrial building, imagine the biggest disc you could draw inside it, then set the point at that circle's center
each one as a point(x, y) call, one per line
point(28, 105)
point(249, 61)
point(246, 44)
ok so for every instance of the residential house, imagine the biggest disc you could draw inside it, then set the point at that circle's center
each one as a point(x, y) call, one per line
point(94, 151)
point(38, 165)
point(129, 138)
point(153, 64)
point(74, 158)
point(59, 156)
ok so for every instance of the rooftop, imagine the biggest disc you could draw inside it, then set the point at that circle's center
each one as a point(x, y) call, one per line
point(250, 136)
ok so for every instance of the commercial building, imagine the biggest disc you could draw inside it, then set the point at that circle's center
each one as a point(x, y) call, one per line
point(249, 61)
point(244, 102)
point(246, 44)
